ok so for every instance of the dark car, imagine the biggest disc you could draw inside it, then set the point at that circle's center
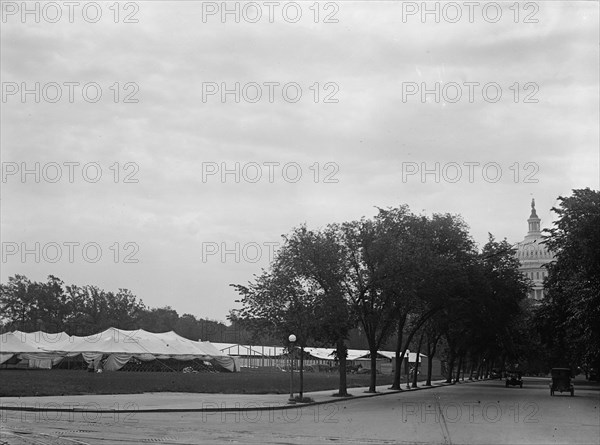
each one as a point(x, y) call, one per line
point(514, 379)
point(561, 381)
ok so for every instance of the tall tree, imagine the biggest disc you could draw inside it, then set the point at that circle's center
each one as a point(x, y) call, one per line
point(404, 271)
point(570, 314)
point(280, 303)
point(321, 259)
point(367, 243)
point(18, 303)
point(480, 323)
point(433, 275)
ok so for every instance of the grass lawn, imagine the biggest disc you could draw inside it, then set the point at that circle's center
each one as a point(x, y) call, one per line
point(21, 383)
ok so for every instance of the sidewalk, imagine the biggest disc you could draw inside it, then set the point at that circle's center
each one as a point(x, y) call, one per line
point(187, 402)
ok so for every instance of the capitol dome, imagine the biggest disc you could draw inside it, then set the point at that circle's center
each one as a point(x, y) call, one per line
point(533, 254)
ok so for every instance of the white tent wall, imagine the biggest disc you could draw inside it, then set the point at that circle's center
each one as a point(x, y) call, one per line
point(16, 344)
point(48, 344)
point(45, 340)
point(118, 346)
point(5, 357)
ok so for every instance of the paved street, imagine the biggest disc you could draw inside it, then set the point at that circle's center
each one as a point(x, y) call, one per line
point(476, 413)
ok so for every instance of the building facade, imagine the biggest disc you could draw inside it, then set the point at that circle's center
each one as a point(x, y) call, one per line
point(533, 254)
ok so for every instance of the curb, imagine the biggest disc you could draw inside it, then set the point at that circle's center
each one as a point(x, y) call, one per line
point(230, 409)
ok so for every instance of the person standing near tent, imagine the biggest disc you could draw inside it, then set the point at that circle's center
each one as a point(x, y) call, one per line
point(95, 365)
point(98, 364)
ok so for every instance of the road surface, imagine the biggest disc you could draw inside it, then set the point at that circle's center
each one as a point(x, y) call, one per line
point(478, 413)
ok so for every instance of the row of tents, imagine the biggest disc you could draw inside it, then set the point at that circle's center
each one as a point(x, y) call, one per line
point(257, 356)
point(317, 353)
point(115, 347)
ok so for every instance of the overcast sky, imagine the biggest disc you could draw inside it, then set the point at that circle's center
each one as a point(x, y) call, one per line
point(155, 143)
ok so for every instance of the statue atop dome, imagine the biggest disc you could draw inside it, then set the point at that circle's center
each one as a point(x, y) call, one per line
point(533, 212)
point(533, 221)
point(533, 255)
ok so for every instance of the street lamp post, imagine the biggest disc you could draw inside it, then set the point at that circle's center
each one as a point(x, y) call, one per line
point(292, 339)
point(408, 371)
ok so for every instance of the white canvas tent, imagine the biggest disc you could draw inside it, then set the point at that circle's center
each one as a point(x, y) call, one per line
point(43, 350)
point(353, 354)
point(47, 346)
point(46, 341)
point(122, 345)
point(11, 344)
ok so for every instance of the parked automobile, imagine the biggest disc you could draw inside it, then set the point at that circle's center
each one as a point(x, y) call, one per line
point(561, 381)
point(513, 378)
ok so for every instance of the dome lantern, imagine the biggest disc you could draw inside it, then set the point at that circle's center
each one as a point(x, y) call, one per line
point(533, 221)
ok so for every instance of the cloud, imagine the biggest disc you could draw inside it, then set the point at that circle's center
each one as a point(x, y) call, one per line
point(354, 153)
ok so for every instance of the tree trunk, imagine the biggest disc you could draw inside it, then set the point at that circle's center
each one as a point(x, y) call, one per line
point(417, 360)
point(429, 370)
point(429, 362)
point(342, 352)
point(430, 354)
point(399, 357)
point(450, 370)
point(373, 383)
point(472, 369)
point(487, 369)
point(480, 370)
point(455, 376)
point(424, 317)
point(458, 368)
point(406, 343)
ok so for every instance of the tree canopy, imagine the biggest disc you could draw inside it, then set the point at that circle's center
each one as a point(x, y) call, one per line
point(569, 318)
point(390, 275)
